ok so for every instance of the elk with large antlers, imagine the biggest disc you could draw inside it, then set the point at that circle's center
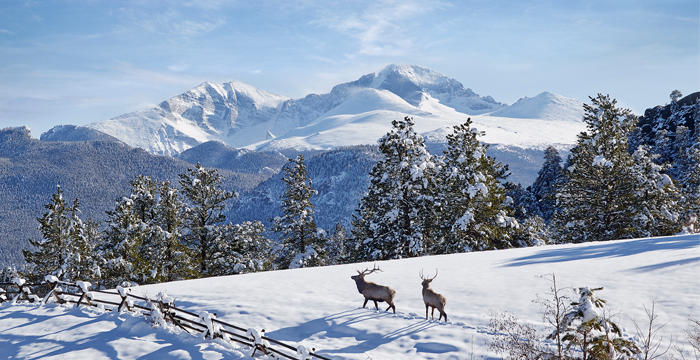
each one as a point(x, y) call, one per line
point(372, 291)
point(432, 299)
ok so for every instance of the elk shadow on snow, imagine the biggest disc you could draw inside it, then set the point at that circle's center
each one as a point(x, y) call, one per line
point(612, 250)
point(338, 325)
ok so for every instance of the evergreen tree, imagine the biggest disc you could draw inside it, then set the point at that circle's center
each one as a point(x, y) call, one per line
point(168, 255)
point(82, 262)
point(691, 189)
point(338, 245)
point(126, 243)
point(589, 330)
point(596, 200)
point(545, 185)
point(396, 218)
point(474, 215)
point(52, 251)
point(243, 248)
point(656, 210)
point(204, 214)
point(301, 245)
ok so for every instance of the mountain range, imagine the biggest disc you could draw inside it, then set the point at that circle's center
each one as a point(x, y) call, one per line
point(352, 113)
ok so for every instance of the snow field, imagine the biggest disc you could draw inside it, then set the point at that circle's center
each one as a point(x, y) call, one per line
point(320, 307)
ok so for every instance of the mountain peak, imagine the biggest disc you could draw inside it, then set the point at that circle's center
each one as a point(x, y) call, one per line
point(545, 105)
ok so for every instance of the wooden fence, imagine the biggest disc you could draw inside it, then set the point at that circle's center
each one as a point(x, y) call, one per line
point(204, 323)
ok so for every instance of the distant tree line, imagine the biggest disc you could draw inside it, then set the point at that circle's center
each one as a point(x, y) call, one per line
point(612, 186)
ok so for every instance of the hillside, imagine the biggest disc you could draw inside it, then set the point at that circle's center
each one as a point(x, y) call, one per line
point(96, 172)
point(320, 307)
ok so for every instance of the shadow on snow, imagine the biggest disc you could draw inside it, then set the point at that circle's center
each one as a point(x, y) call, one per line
point(339, 326)
point(614, 249)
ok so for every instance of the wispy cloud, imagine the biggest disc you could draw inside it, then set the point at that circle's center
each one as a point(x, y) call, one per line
point(173, 22)
point(381, 28)
point(6, 32)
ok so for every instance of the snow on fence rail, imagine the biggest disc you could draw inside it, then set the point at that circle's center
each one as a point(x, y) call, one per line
point(160, 309)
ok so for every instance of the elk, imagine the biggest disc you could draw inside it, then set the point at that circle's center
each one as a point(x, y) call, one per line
point(432, 299)
point(372, 291)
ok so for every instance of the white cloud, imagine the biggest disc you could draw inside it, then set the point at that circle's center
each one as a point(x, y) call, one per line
point(173, 22)
point(6, 32)
point(381, 28)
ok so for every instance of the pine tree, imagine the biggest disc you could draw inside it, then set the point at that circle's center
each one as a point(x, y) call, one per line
point(474, 215)
point(691, 189)
point(168, 255)
point(396, 218)
point(596, 199)
point(204, 214)
point(82, 262)
point(52, 251)
point(657, 211)
point(545, 185)
point(301, 245)
point(125, 247)
point(589, 330)
point(243, 248)
point(338, 245)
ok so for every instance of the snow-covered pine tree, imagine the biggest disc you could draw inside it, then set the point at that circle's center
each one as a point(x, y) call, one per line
point(596, 199)
point(169, 256)
point(690, 183)
point(397, 216)
point(242, 249)
point(545, 186)
point(338, 245)
point(474, 215)
point(127, 230)
point(51, 251)
point(301, 246)
point(83, 262)
point(204, 215)
point(657, 211)
point(588, 329)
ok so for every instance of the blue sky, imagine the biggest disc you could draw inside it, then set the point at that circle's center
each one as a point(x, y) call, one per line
point(75, 62)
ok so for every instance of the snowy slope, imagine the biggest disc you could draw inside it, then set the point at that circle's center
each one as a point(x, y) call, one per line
point(545, 106)
point(352, 113)
point(320, 306)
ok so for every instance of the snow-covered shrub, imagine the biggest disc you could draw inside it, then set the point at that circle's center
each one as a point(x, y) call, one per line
point(514, 339)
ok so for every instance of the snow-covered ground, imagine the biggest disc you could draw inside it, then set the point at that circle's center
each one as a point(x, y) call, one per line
point(320, 307)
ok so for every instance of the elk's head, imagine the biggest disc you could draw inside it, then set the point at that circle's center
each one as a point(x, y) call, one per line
point(361, 274)
point(425, 281)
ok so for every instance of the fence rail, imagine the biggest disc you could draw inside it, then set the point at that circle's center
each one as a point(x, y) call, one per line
point(79, 294)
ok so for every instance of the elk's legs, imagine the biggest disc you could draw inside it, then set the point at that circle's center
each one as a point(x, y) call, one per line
point(426, 311)
point(365, 303)
point(432, 314)
point(376, 307)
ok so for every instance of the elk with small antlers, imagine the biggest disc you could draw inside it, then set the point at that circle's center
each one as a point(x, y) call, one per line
point(372, 291)
point(432, 299)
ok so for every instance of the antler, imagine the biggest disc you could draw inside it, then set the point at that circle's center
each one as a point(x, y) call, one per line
point(368, 271)
point(424, 278)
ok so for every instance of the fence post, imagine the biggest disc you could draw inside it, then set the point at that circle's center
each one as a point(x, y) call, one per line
point(85, 292)
point(3, 298)
point(213, 330)
point(53, 281)
point(258, 342)
point(125, 297)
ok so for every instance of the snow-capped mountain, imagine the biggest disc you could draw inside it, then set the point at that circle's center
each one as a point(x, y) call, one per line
point(546, 106)
point(352, 113)
point(227, 112)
